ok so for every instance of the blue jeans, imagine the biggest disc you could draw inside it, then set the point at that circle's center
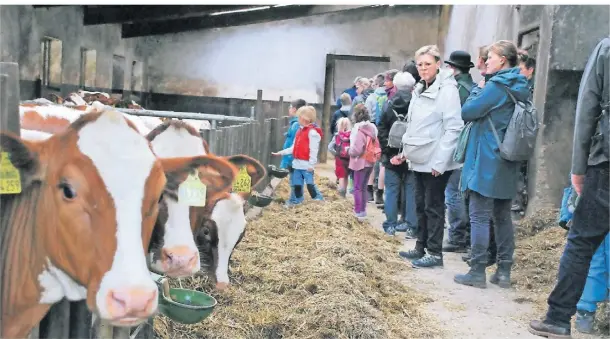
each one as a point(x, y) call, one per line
point(588, 231)
point(456, 211)
point(596, 288)
point(299, 179)
point(483, 209)
point(395, 182)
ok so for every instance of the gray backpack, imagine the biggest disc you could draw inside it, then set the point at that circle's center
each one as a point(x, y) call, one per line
point(398, 129)
point(521, 133)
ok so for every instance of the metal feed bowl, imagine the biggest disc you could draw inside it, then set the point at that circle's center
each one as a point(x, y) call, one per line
point(278, 172)
point(260, 200)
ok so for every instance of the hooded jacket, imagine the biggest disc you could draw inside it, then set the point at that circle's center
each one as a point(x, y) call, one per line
point(484, 171)
point(434, 124)
point(343, 112)
point(293, 127)
point(400, 105)
point(357, 142)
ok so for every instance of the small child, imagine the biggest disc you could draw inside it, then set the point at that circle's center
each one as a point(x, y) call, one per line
point(305, 153)
point(339, 147)
point(362, 133)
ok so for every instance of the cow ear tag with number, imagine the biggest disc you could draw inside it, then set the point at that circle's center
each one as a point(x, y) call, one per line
point(10, 179)
point(192, 191)
point(243, 182)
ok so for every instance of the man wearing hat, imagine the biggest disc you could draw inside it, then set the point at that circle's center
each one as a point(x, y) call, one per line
point(459, 240)
point(459, 62)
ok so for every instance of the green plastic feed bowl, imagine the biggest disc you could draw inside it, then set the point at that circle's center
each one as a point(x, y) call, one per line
point(186, 306)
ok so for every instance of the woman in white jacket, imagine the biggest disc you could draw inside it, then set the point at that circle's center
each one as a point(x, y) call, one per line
point(434, 124)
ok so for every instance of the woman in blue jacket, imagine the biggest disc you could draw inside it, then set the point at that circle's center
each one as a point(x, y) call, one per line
point(489, 181)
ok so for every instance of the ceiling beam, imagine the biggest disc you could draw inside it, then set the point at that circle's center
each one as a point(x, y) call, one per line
point(209, 22)
point(96, 15)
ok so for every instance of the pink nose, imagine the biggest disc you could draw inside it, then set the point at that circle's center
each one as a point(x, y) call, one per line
point(179, 261)
point(131, 302)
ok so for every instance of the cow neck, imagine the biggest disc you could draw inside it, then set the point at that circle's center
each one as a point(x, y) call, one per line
point(22, 256)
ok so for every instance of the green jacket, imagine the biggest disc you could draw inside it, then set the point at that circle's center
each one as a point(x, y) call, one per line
point(465, 85)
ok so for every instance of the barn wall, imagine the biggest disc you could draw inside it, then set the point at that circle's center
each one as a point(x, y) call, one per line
point(23, 27)
point(285, 57)
point(565, 36)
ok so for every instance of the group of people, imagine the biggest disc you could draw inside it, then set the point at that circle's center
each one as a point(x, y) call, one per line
point(430, 136)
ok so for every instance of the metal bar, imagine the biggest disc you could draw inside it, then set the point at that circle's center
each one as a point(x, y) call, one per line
point(181, 115)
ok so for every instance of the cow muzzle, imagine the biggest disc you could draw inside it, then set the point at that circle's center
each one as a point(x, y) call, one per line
point(180, 261)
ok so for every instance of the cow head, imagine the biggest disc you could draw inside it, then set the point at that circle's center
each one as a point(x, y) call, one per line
point(219, 229)
point(81, 224)
point(172, 247)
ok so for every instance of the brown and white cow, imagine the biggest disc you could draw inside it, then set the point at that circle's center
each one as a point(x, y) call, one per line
point(78, 228)
point(172, 241)
point(219, 226)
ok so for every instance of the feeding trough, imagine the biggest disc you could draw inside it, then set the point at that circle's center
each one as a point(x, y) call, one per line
point(183, 305)
point(277, 172)
point(259, 199)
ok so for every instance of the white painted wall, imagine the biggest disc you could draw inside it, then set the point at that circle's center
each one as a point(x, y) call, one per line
point(284, 57)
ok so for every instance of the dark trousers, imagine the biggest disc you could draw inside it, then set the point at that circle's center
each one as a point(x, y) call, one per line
point(464, 229)
point(590, 225)
point(481, 210)
point(430, 210)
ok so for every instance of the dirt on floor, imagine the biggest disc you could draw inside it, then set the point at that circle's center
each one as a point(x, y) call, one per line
point(493, 312)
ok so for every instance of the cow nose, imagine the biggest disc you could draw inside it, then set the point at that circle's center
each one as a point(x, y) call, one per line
point(131, 302)
point(180, 261)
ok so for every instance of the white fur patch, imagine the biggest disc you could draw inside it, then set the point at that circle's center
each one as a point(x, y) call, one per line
point(56, 284)
point(177, 142)
point(231, 223)
point(178, 228)
point(27, 134)
point(57, 111)
point(138, 122)
point(150, 122)
point(124, 162)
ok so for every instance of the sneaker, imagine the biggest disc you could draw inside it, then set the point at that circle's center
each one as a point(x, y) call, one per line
point(411, 254)
point(544, 329)
point(428, 261)
point(379, 198)
point(390, 230)
point(584, 321)
point(410, 233)
point(402, 227)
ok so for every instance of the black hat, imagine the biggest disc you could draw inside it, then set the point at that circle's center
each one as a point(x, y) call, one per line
point(460, 59)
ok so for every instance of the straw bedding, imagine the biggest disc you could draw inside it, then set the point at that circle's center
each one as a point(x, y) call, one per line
point(540, 243)
point(311, 272)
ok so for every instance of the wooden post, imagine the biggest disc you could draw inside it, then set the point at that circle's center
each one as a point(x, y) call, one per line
point(266, 160)
point(212, 141)
point(9, 121)
point(280, 107)
point(326, 114)
point(218, 137)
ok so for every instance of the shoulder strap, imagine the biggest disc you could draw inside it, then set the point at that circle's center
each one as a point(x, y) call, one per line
point(399, 117)
point(467, 85)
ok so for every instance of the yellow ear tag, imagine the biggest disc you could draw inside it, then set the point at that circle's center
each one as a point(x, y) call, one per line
point(10, 179)
point(243, 182)
point(192, 191)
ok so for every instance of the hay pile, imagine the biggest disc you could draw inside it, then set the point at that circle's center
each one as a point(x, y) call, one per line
point(311, 272)
point(540, 244)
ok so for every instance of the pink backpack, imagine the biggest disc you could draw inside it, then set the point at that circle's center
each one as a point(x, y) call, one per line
point(342, 144)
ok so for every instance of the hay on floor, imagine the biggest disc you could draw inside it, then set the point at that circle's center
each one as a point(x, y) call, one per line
point(540, 244)
point(312, 271)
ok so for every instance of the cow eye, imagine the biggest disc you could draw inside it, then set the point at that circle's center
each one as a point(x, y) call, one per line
point(67, 190)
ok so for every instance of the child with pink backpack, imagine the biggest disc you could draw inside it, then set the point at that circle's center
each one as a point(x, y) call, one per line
point(339, 148)
point(364, 151)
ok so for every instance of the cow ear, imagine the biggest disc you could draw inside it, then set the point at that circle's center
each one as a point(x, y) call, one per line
point(24, 155)
point(216, 173)
point(255, 169)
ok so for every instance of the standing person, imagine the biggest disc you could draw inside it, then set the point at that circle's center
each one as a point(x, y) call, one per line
point(590, 176)
point(458, 238)
point(492, 251)
point(490, 196)
point(305, 152)
point(362, 133)
point(339, 148)
point(527, 65)
point(293, 128)
point(399, 179)
point(389, 83)
point(375, 100)
point(343, 112)
point(363, 90)
point(434, 124)
point(350, 91)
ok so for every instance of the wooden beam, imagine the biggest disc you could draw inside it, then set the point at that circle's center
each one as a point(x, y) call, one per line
point(96, 15)
point(209, 22)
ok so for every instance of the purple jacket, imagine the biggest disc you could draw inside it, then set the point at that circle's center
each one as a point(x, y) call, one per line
point(358, 143)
